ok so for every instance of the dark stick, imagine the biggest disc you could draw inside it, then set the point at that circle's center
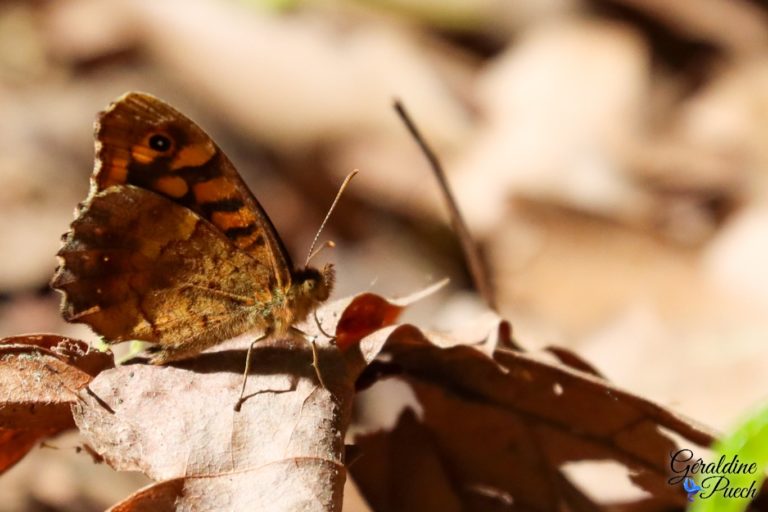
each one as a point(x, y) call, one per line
point(474, 261)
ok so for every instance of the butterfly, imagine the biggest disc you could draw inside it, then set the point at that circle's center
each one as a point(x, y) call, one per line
point(691, 487)
point(171, 246)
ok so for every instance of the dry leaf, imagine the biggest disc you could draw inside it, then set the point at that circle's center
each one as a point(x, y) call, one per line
point(561, 104)
point(16, 443)
point(297, 81)
point(178, 422)
point(284, 450)
point(510, 431)
point(154, 498)
point(40, 376)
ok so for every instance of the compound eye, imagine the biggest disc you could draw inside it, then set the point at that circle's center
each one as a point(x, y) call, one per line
point(160, 142)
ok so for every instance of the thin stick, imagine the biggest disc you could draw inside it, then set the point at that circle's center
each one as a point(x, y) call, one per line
point(330, 210)
point(476, 267)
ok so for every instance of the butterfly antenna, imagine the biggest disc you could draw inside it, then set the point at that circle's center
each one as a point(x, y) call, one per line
point(343, 186)
point(329, 244)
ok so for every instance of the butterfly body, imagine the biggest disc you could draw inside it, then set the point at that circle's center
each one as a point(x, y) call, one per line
point(171, 246)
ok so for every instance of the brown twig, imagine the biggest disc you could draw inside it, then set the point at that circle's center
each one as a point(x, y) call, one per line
point(476, 267)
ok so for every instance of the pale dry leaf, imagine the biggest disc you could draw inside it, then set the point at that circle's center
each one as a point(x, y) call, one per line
point(712, 21)
point(295, 78)
point(284, 450)
point(178, 422)
point(561, 106)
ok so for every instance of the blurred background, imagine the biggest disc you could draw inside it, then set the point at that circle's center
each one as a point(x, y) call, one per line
point(610, 157)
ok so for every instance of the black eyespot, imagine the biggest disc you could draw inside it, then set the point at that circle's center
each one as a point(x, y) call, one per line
point(160, 143)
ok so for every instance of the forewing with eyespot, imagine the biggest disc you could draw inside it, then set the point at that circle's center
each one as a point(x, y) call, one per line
point(142, 141)
point(138, 266)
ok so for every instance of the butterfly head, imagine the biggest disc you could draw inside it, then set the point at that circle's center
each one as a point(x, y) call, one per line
point(314, 286)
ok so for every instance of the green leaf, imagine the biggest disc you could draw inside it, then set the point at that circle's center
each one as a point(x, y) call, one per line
point(750, 443)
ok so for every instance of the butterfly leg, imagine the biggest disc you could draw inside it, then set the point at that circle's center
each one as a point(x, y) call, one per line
point(320, 328)
point(315, 357)
point(242, 398)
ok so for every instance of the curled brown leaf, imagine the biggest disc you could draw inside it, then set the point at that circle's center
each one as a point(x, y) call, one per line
point(40, 376)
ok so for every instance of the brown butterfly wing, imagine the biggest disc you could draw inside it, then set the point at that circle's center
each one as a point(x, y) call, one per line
point(138, 266)
point(143, 141)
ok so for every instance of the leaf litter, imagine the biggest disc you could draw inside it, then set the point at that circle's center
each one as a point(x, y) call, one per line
point(499, 428)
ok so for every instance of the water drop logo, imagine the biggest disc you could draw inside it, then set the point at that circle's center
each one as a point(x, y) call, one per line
point(690, 487)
